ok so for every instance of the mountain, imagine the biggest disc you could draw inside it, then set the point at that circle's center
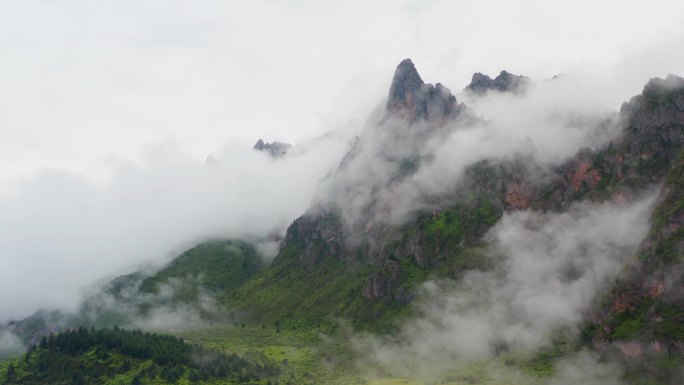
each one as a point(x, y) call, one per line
point(504, 82)
point(179, 295)
point(403, 221)
point(412, 99)
point(274, 149)
point(348, 257)
point(371, 267)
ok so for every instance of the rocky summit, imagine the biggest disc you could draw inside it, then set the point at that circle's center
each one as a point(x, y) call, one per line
point(412, 99)
point(504, 82)
point(274, 149)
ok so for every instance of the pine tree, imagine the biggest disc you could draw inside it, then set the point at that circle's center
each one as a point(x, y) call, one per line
point(11, 373)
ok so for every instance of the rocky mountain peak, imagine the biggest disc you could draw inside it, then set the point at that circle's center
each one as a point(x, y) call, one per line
point(405, 84)
point(412, 99)
point(274, 149)
point(660, 106)
point(504, 82)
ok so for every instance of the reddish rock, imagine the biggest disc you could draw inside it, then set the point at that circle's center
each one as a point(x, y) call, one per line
point(517, 196)
point(654, 289)
point(630, 349)
point(619, 198)
point(583, 174)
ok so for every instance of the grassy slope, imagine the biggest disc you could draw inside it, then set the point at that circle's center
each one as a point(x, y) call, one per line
point(292, 295)
point(301, 299)
point(310, 358)
point(221, 266)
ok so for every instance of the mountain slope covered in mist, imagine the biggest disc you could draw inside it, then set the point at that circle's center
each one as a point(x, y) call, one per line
point(445, 239)
point(443, 236)
point(363, 252)
point(181, 294)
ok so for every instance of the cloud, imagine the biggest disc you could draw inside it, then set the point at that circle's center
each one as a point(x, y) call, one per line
point(548, 269)
point(176, 305)
point(396, 168)
point(84, 80)
point(10, 344)
point(586, 368)
point(63, 231)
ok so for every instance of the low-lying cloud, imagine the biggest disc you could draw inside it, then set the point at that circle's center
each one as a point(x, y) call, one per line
point(174, 305)
point(63, 231)
point(10, 344)
point(397, 168)
point(548, 269)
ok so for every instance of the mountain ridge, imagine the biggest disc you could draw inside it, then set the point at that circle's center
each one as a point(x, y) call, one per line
point(363, 250)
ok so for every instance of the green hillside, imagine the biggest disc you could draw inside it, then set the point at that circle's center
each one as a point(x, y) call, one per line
point(219, 266)
point(116, 356)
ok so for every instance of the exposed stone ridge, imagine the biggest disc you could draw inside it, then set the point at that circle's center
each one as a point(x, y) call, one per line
point(413, 99)
point(505, 82)
point(274, 149)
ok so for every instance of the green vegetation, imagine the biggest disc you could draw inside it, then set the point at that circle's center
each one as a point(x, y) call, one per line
point(301, 299)
point(463, 223)
point(652, 317)
point(303, 357)
point(668, 248)
point(220, 266)
point(304, 295)
point(116, 356)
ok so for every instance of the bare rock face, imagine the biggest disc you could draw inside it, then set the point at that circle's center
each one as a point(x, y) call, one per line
point(406, 83)
point(412, 99)
point(505, 82)
point(384, 285)
point(659, 107)
point(316, 236)
point(274, 149)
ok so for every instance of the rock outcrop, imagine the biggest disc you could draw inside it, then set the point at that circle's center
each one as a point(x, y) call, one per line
point(274, 149)
point(505, 82)
point(412, 99)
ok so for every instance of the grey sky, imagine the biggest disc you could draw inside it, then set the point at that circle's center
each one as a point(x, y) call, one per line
point(84, 80)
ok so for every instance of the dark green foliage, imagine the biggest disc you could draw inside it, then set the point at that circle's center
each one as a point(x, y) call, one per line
point(11, 373)
point(83, 356)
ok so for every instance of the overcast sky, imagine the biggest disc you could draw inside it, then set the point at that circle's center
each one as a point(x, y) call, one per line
point(81, 81)
point(102, 102)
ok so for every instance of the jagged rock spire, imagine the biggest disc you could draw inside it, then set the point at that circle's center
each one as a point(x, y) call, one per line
point(405, 84)
point(410, 98)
